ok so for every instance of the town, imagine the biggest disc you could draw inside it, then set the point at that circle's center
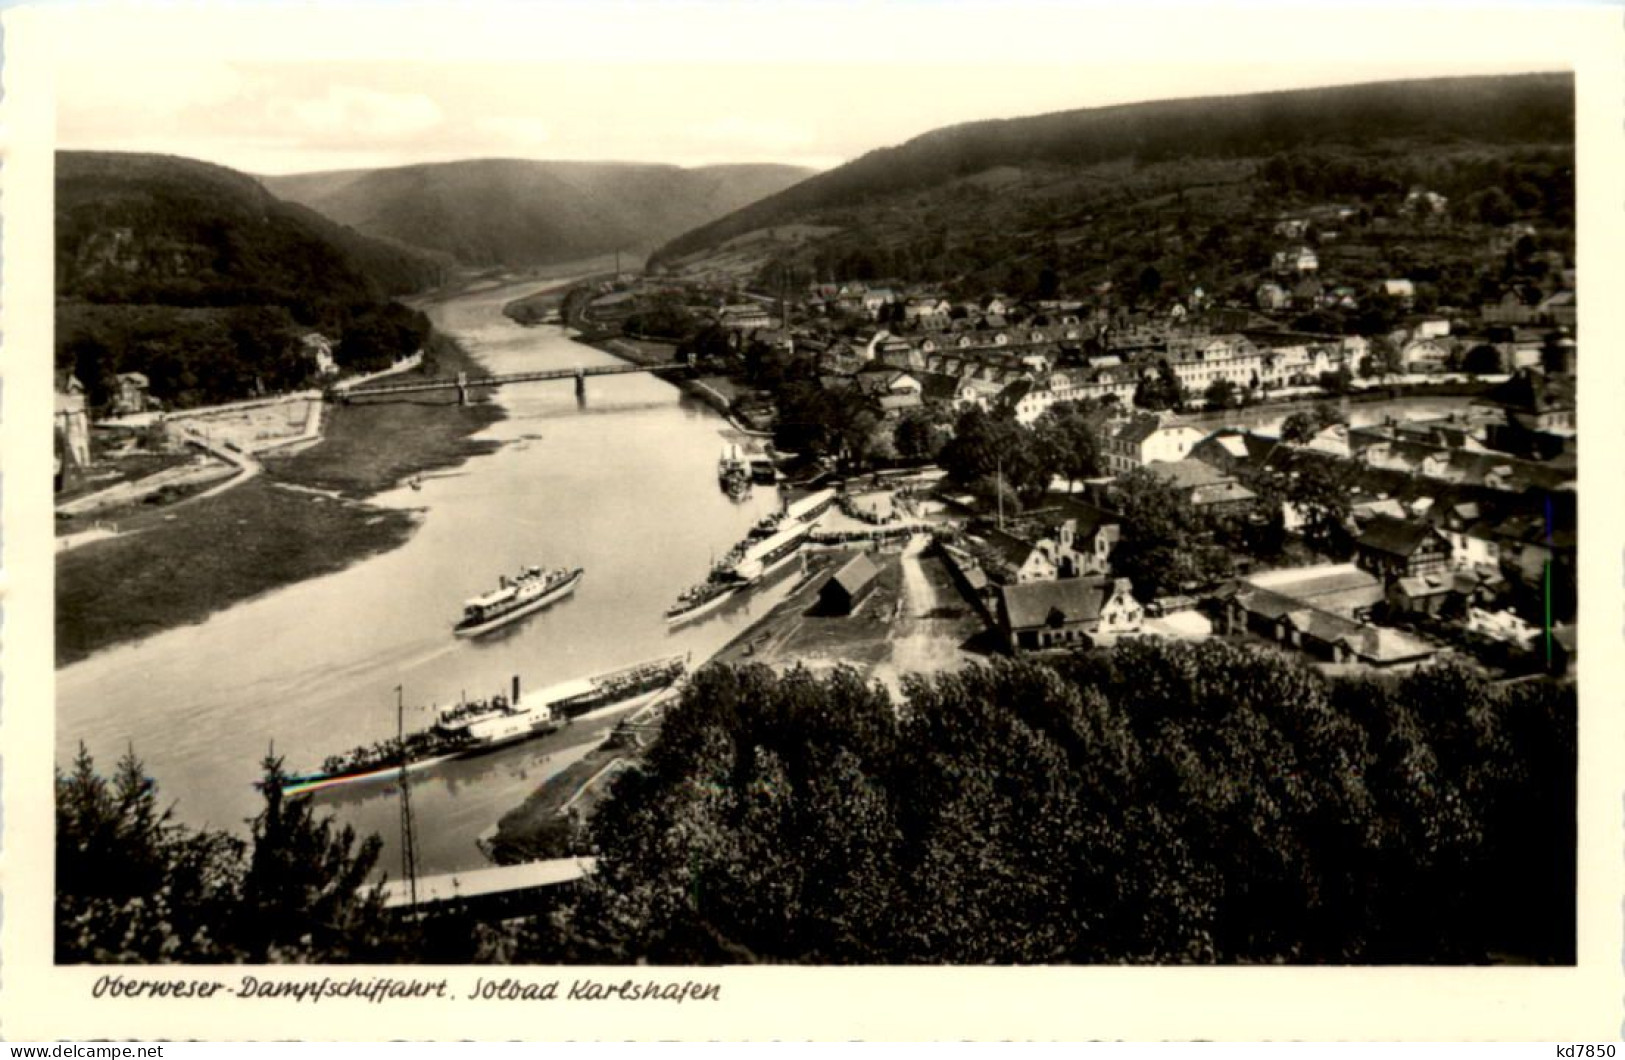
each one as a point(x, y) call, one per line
point(1412, 498)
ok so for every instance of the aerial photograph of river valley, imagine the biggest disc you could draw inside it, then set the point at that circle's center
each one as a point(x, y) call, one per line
point(1071, 522)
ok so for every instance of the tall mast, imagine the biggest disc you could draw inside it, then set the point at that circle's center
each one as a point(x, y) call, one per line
point(409, 854)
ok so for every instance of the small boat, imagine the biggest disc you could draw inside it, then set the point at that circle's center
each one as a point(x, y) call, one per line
point(531, 590)
point(731, 463)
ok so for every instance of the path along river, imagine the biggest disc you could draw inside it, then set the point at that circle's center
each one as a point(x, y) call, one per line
point(622, 484)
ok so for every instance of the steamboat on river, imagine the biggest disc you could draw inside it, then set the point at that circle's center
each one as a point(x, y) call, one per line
point(747, 564)
point(478, 727)
point(805, 510)
point(530, 591)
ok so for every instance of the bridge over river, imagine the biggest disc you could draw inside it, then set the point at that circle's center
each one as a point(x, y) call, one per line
point(463, 383)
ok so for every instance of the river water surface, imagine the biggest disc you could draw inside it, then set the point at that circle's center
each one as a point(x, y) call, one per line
point(622, 484)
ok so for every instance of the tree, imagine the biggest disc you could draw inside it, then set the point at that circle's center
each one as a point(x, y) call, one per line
point(1382, 359)
point(1318, 490)
point(920, 434)
point(1160, 390)
point(134, 886)
point(131, 885)
point(988, 448)
point(304, 894)
point(1070, 435)
point(1303, 425)
point(664, 316)
point(95, 366)
point(711, 342)
point(1298, 428)
point(1339, 382)
point(1149, 283)
point(1482, 359)
point(1157, 802)
point(1164, 546)
point(1494, 207)
point(812, 419)
point(1221, 394)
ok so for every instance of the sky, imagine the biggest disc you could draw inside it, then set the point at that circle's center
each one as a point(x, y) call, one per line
point(279, 88)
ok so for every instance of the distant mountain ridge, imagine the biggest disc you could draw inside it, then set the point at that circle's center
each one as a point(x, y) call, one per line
point(520, 212)
point(907, 186)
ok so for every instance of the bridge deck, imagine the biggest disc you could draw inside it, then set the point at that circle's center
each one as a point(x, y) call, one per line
point(541, 376)
point(488, 882)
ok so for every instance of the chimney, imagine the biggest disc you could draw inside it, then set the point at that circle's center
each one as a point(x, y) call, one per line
point(515, 699)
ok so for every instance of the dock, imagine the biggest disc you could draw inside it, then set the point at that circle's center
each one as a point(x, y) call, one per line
point(487, 884)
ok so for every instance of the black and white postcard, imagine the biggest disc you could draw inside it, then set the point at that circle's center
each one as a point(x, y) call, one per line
point(1038, 521)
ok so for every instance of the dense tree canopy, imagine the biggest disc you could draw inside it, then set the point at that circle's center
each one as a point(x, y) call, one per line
point(1163, 802)
point(1069, 434)
point(988, 448)
point(1160, 802)
point(132, 886)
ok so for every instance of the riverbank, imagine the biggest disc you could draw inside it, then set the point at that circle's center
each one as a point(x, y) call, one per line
point(716, 391)
point(914, 621)
point(171, 567)
point(371, 445)
point(545, 825)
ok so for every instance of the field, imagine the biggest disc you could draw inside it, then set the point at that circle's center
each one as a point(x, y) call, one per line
point(173, 567)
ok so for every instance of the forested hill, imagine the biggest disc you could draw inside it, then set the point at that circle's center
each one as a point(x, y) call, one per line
point(521, 212)
point(161, 229)
point(197, 277)
point(1095, 157)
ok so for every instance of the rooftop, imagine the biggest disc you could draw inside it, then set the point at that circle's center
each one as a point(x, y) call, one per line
point(1071, 599)
point(1306, 583)
point(855, 573)
point(1398, 537)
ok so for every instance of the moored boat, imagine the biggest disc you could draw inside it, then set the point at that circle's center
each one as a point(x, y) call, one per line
point(629, 686)
point(476, 728)
point(529, 591)
point(732, 462)
point(810, 507)
point(700, 600)
point(744, 566)
point(769, 553)
point(468, 728)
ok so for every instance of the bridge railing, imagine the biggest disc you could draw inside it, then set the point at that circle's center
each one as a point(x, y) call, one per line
point(542, 376)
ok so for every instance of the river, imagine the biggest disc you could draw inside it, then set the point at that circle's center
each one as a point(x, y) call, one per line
point(622, 484)
point(1267, 419)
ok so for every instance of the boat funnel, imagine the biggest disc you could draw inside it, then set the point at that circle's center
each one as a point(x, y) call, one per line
point(515, 690)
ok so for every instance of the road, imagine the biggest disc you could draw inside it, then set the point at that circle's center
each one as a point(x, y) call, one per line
point(922, 641)
point(247, 466)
